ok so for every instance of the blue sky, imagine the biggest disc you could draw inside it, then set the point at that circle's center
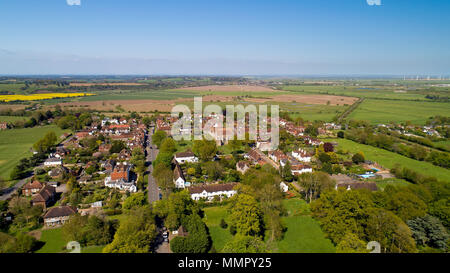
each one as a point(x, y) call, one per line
point(225, 37)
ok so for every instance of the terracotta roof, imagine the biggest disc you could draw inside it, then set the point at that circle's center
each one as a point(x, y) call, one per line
point(60, 212)
point(33, 185)
point(212, 188)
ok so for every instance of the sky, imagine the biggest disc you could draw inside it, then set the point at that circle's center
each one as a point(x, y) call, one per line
point(225, 37)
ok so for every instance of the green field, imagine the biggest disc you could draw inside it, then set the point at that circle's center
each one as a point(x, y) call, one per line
point(385, 111)
point(389, 159)
point(11, 118)
point(219, 236)
point(54, 241)
point(303, 234)
point(16, 144)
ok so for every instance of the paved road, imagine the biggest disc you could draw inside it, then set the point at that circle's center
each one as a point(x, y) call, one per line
point(152, 152)
point(7, 193)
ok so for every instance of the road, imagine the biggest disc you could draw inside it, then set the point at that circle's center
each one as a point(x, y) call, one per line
point(152, 152)
point(7, 193)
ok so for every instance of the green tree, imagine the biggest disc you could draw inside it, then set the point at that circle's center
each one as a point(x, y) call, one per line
point(429, 231)
point(135, 200)
point(358, 158)
point(168, 146)
point(245, 244)
point(245, 215)
point(350, 243)
point(158, 138)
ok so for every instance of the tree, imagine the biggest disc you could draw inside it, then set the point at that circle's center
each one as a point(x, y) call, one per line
point(390, 231)
point(158, 138)
point(117, 146)
point(197, 240)
point(204, 149)
point(136, 234)
point(246, 215)
point(286, 172)
point(164, 178)
point(358, 158)
point(315, 183)
point(245, 244)
point(341, 212)
point(405, 204)
point(135, 200)
point(168, 146)
point(350, 243)
point(47, 142)
point(340, 134)
point(328, 147)
point(429, 231)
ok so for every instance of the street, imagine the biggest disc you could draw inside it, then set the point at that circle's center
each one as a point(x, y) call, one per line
point(152, 152)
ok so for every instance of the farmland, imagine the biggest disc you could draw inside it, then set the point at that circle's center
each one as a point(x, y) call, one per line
point(16, 144)
point(385, 111)
point(45, 96)
point(389, 159)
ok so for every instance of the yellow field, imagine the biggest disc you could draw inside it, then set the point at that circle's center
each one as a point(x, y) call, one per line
point(45, 96)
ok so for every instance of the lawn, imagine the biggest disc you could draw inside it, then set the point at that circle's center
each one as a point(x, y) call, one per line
point(303, 234)
point(389, 159)
point(54, 241)
point(16, 144)
point(382, 183)
point(219, 236)
point(385, 111)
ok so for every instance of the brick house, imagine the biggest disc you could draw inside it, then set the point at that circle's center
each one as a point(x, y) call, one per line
point(31, 188)
point(45, 197)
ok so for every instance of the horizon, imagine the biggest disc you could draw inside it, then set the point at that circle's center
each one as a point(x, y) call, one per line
point(267, 38)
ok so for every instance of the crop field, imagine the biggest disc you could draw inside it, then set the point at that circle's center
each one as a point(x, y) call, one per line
point(389, 159)
point(385, 111)
point(44, 96)
point(15, 144)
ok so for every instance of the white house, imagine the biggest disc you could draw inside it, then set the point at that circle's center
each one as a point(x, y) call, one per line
point(284, 187)
point(301, 155)
point(120, 184)
point(178, 177)
point(299, 169)
point(208, 192)
point(186, 157)
point(53, 162)
point(57, 216)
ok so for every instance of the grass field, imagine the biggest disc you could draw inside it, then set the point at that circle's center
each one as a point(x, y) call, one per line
point(303, 234)
point(219, 236)
point(389, 159)
point(385, 111)
point(15, 144)
point(54, 241)
point(11, 118)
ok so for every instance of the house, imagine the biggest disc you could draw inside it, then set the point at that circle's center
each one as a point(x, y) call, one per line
point(300, 168)
point(124, 155)
point(208, 192)
point(31, 188)
point(178, 177)
point(371, 186)
point(58, 216)
point(277, 156)
point(259, 158)
point(284, 187)
point(108, 165)
point(242, 167)
point(44, 197)
point(302, 155)
point(58, 172)
point(120, 178)
point(3, 126)
point(50, 162)
point(184, 157)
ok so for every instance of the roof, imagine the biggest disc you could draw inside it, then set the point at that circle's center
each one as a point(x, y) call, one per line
point(178, 172)
point(60, 212)
point(371, 186)
point(33, 185)
point(185, 154)
point(242, 164)
point(45, 194)
point(212, 188)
